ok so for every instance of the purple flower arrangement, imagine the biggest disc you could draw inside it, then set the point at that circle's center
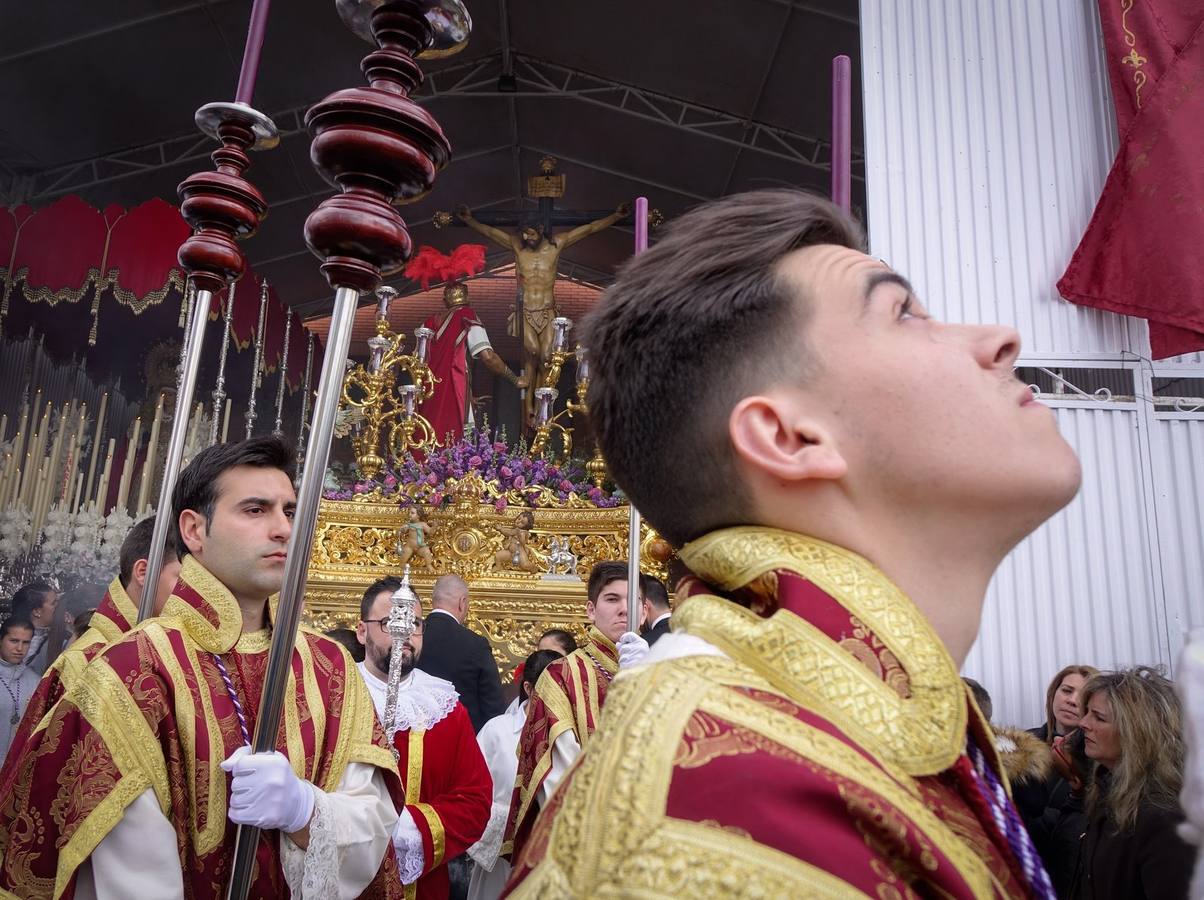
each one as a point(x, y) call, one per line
point(507, 475)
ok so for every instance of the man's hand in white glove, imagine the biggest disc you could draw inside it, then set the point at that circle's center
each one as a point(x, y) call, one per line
point(265, 792)
point(632, 649)
point(407, 845)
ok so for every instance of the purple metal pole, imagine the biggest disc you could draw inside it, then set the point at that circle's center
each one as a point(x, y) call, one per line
point(250, 53)
point(842, 136)
point(641, 224)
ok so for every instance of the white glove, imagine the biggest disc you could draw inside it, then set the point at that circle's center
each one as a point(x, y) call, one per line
point(266, 793)
point(632, 649)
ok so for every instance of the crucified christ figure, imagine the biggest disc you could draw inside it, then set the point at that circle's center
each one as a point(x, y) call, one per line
point(536, 255)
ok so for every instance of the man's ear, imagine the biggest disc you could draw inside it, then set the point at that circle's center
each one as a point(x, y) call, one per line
point(773, 434)
point(590, 610)
point(192, 529)
point(140, 568)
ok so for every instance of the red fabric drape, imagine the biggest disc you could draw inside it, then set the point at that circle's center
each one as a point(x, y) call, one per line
point(1138, 256)
point(61, 250)
point(142, 265)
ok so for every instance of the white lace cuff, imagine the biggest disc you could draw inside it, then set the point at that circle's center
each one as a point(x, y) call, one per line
point(408, 846)
point(486, 850)
point(313, 872)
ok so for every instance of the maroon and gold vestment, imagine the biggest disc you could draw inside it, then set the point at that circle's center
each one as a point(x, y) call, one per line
point(807, 737)
point(152, 717)
point(114, 616)
point(567, 700)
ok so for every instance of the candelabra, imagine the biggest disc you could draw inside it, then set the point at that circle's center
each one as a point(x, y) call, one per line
point(546, 420)
point(374, 390)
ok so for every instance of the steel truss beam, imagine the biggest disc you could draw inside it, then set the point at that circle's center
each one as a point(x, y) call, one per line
point(474, 79)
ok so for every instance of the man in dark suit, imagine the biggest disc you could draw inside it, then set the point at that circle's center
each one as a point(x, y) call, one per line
point(461, 656)
point(656, 606)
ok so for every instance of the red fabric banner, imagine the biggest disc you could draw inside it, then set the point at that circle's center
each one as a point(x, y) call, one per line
point(142, 265)
point(1135, 258)
point(61, 250)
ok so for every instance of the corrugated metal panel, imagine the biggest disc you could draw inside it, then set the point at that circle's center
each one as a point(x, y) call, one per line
point(1179, 479)
point(988, 136)
point(1080, 588)
point(1195, 360)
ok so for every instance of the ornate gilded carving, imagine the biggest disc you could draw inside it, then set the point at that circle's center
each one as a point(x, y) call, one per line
point(356, 543)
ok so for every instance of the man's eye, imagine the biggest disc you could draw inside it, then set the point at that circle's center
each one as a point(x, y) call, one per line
point(290, 513)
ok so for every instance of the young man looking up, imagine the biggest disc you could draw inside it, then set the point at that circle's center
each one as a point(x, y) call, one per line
point(143, 773)
point(805, 714)
point(563, 710)
point(17, 683)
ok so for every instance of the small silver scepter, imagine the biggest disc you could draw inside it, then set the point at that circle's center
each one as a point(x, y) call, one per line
point(400, 626)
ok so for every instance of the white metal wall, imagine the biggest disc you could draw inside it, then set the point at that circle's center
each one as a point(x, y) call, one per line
point(989, 134)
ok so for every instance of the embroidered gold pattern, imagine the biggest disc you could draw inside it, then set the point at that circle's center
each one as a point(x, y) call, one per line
point(438, 835)
point(1133, 58)
point(923, 733)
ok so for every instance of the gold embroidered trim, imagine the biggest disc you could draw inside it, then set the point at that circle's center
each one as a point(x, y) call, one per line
point(121, 599)
point(923, 734)
point(229, 615)
point(205, 838)
point(597, 638)
point(46, 294)
point(438, 835)
point(175, 279)
point(254, 641)
point(313, 701)
point(1133, 58)
point(557, 702)
point(414, 767)
point(354, 740)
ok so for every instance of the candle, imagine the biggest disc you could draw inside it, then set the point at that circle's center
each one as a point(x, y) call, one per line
point(384, 297)
point(97, 437)
point(582, 365)
point(226, 422)
point(3, 427)
point(422, 342)
point(56, 449)
point(79, 486)
point(546, 397)
point(102, 490)
point(194, 427)
point(250, 53)
point(408, 394)
point(127, 465)
point(842, 142)
point(152, 448)
point(560, 330)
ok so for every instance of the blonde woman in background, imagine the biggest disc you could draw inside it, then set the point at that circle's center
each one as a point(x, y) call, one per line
point(1131, 725)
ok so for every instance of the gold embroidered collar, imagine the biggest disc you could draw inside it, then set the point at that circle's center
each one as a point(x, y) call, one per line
point(602, 650)
point(205, 607)
point(922, 733)
point(112, 629)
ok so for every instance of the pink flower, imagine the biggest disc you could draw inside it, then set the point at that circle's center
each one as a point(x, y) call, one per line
point(436, 498)
point(474, 461)
point(520, 482)
point(566, 485)
point(432, 479)
point(499, 447)
point(499, 504)
point(506, 472)
point(390, 481)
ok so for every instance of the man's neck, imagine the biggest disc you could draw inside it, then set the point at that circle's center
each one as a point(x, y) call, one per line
point(254, 614)
point(372, 670)
point(446, 612)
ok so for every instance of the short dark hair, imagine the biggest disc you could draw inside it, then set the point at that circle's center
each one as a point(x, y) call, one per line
point(30, 597)
point(689, 328)
point(602, 574)
point(136, 546)
point(654, 591)
point(196, 488)
point(389, 583)
point(981, 697)
point(82, 622)
point(533, 667)
point(14, 622)
point(565, 639)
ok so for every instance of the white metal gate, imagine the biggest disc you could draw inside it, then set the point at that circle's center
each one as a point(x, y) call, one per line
point(989, 133)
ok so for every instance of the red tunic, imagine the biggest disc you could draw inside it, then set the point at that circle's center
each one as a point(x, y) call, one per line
point(112, 619)
point(448, 360)
point(822, 753)
point(154, 713)
point(448, 793)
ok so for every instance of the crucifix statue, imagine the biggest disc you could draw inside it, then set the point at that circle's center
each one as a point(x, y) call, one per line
point(536, 254)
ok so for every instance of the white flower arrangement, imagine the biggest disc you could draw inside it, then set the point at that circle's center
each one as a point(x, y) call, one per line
point(15, 525)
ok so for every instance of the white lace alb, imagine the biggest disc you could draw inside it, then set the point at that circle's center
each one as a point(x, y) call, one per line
point(424, 701)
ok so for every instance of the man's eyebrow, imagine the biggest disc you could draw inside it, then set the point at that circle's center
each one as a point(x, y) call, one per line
point(885, 277)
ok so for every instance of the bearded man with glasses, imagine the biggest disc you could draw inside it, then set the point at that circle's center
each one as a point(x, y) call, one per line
point(448, 791)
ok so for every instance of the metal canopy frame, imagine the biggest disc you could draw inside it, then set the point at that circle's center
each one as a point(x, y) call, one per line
point(538, 78)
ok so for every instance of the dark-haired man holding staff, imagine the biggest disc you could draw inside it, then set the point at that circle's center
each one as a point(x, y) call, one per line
point(803, 729)
point(135, 787)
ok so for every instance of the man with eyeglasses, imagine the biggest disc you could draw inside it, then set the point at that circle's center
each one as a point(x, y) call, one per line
point(448, 789)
